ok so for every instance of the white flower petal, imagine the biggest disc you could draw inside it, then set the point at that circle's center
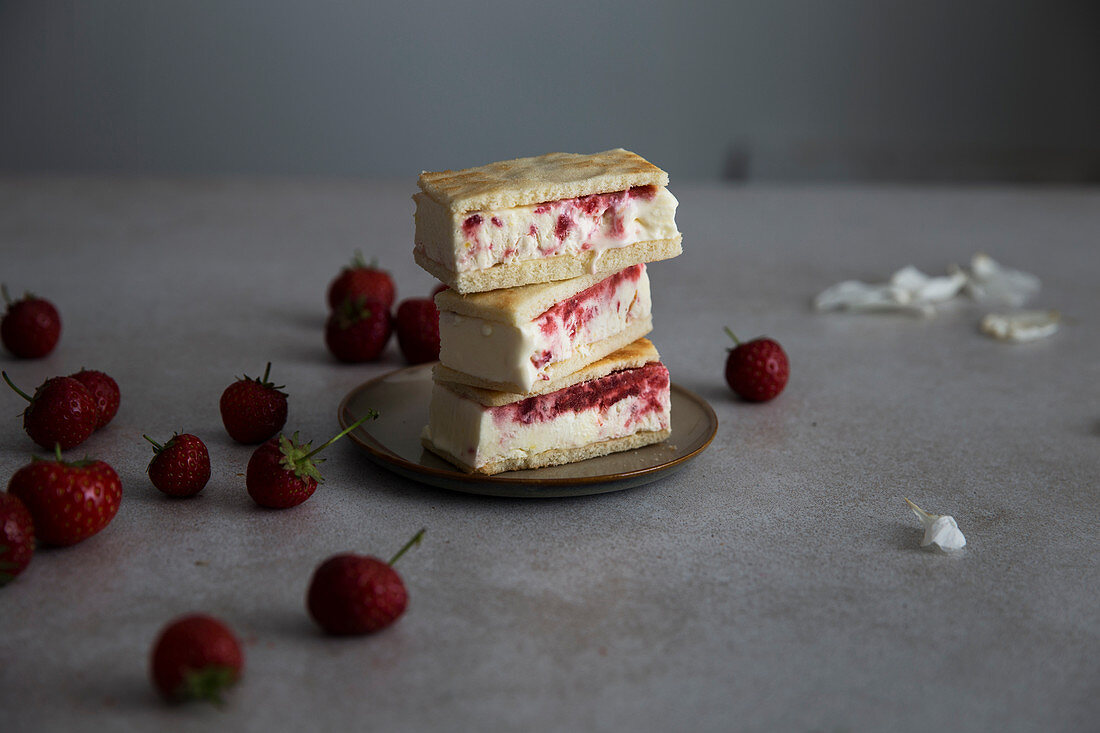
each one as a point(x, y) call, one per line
point(990, 282)
point(909, 278)
point(938, 289)
point(941, 532)
point(944, 533)
point(854, 295)
point(1022, 326)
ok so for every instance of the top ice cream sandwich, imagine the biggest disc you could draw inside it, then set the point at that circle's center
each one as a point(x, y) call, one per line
point(541, 219)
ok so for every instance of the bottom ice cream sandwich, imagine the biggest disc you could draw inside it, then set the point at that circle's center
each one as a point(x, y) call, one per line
point(618, 403)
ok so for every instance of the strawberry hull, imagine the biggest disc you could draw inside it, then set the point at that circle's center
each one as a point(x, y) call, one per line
point(271, 484)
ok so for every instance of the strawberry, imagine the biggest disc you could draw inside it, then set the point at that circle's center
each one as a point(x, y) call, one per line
point(361, 282)
point(104, 390)
point(180, 467)
point(62, 412)
point(358, 331)
point(357, 594)
point(757, 370)
point(31, 326)
point(195, 657)
point(253, 410)
point(69, 502)
point(418, 330)
point(282, 473)
point(16, 537)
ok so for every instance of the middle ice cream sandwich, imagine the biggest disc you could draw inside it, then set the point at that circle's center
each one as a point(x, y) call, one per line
point(523, 339)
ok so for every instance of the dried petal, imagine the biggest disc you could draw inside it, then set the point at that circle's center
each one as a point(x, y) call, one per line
point(990, 282)
point(925, 289)
point(1022, 326)
point(940, 531)
point(854, 295)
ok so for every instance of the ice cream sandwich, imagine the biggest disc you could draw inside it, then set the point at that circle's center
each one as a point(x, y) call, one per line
point(617, 403)
point(541, 219)
point(523, 339)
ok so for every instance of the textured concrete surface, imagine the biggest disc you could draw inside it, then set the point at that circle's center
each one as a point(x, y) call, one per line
point(774, 584)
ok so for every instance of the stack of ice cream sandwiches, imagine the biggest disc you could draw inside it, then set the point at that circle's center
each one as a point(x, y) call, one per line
point(543, 358)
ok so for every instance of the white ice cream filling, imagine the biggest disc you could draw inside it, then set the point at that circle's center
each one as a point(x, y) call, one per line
point(472, 241)
point(472, 433)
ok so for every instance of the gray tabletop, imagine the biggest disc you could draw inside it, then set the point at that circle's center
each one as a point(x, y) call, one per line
point(775, 583)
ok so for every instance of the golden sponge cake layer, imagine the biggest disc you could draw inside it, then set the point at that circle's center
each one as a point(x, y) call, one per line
point(554, 456)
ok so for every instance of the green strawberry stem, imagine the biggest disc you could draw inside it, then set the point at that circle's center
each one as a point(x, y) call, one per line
point(18, 391)
point(263, 381)
point(371, 415)
point(298, 458)
point(414, 541)
point(60, 460)
point(5, 566)
point(351, 311)
point(207, 684)
point(157, 447)
point(4, 292)
point(358, 263)
point(736, 340)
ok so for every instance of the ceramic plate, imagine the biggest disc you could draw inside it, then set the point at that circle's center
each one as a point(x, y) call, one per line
point(393, 440)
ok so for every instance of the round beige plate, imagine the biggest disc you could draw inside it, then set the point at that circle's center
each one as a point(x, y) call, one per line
point(393, 440)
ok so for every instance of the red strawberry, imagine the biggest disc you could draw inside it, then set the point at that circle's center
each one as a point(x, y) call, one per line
point(196, 657)
point(282, 473)
point(360, 281)
point(181, 467)
point(62, 412)
point(31, 326)
point(70, 502)
point(104, 390)
point(418, 330)
point(16, 537)
point(358, 331)
point(357, 594)
point(253, 410)
point(757, 370)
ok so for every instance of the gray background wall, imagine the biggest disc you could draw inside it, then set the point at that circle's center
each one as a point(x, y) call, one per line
point(759, 90)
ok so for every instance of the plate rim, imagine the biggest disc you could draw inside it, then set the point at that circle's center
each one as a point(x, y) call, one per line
point(502, 479)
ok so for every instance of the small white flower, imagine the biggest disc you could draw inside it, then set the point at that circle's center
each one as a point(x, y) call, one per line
point(940, 531)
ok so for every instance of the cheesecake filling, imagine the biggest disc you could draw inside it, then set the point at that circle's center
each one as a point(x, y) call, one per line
point(478, 240)
point(614, 406)
point(519, 356)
